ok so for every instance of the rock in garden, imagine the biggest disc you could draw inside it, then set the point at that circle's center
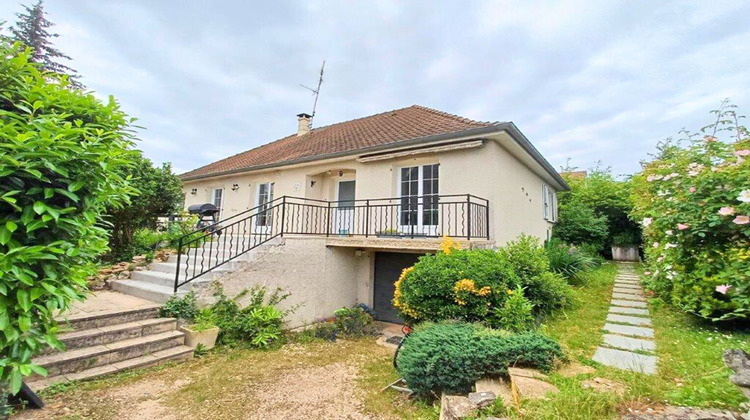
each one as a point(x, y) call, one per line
point(497, 386)
point(482, 399)
point(530, 384)
point(123, 275)
point(454, 407)
point(739, 361)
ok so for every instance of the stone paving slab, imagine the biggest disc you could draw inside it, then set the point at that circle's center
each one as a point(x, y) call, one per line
point(629, 330)
point(635, 292)
point(626, 360)
point(629, 286)
point(628, 296)
point(629, 343)
point(625, 319)
point(629, 303)
point(628, 311)
point(628, 282)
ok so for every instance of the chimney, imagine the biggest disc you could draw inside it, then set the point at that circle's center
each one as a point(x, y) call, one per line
point(303, 124)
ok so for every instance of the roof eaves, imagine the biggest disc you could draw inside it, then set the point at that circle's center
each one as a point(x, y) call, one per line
point(529, 148)
point(403, 143)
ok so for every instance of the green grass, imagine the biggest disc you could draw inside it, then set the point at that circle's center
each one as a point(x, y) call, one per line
point(691, 371)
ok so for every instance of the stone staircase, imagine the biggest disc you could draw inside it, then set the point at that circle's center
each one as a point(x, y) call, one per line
point(156, 283)
point(109, 341)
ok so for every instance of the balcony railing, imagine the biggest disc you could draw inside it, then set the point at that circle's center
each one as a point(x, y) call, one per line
point(430, 216)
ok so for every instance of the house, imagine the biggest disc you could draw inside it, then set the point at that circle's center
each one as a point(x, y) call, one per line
point(333, 214)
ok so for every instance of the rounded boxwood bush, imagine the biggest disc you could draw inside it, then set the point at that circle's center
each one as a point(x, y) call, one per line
point(451, 356)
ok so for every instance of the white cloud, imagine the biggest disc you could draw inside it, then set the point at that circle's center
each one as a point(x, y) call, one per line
point(582, 79)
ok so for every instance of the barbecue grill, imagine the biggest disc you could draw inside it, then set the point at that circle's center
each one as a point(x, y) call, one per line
point(208, 215)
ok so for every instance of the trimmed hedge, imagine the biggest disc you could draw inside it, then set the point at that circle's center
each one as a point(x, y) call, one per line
point(451, 356)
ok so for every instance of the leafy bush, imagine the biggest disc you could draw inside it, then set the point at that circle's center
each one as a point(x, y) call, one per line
point(354, 322)
point(258, 324)
point(185, 307)
point(694, 203)
point(451, 356)
point(567, 260)
point(62, 158)
point(515, 314)
point(469, 285)
point(579, 223)
point(348, 322)
point(595, 210)
point(160, 194)
point(546, 290)
point(147, 240)
point(457, 284)
point(626, 239)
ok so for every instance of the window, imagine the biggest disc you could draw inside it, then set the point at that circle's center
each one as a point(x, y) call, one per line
point(549, 199)
point(346, 194)
point(430, 193)
point(218, 196)
point(419, 195)
point(265, 197)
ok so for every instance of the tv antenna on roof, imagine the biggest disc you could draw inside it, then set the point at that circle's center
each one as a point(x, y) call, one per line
point(316, 92)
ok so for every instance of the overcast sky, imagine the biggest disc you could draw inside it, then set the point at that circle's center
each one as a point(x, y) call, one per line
point(586, 80)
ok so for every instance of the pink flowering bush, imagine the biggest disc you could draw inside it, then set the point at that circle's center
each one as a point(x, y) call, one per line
point(693, 201)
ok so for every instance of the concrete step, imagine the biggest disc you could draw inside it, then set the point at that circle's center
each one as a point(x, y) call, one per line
point(167, 279)
point(104, 354)
point(105, 318)
point(171, 267)
point(176, 353)
point(144, 290)
point(112, 333)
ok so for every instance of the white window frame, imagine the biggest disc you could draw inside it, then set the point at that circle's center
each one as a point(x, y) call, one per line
point(549, 204)
point(263, 228)
point(420, 226)
point(220, 205)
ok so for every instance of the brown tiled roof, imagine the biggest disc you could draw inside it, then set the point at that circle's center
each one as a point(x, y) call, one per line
point(380, 129)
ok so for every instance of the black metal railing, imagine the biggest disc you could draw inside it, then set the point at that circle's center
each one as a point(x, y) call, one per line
point(430, 216)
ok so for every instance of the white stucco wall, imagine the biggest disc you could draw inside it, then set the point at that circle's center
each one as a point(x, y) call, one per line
point(320, 279)
point(491, 171)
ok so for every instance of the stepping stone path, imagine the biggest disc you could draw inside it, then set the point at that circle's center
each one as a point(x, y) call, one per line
point(628, 343)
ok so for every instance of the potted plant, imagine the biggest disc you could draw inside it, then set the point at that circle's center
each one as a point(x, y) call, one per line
point(389, 233)
point(203, 331)
point(625, 247)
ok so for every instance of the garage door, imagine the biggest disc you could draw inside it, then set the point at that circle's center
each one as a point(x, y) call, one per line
point(388, 267)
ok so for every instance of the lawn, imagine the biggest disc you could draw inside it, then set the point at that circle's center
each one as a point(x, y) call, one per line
point(691, 371)
point(330, 380)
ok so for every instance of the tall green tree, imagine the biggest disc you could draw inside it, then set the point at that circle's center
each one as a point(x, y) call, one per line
point(159, 194)
point(31, 29)
point(596, 211)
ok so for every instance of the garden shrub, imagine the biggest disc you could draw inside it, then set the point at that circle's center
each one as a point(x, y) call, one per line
point(62, 157)
point(450, 356)
point(568, 261)
point(515, 315)
point(694, 203)
point(469, 285)
point(354, 322)
point(454, 284)
point(259, 323)
point(185, 307)
point(546, 290)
